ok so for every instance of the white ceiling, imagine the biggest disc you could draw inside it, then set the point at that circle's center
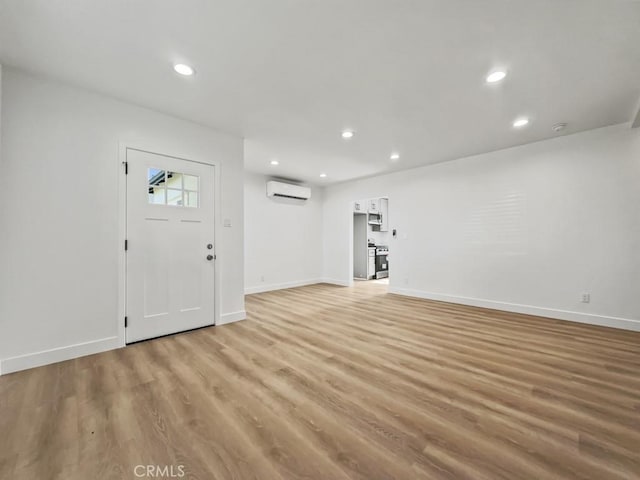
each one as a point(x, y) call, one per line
point(289, 75)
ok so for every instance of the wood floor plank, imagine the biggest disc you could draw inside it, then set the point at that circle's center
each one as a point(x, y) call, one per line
point(442, 402)
point(343, 383)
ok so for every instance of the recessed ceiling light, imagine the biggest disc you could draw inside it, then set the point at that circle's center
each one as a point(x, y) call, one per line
point(323, 175)
point(183, 69)
point(395, 156)
point(347, 134)
point(521, 122)
point(275, 162)
point(496, 76)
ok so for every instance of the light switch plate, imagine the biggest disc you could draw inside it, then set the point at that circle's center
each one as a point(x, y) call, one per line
point(227, 222)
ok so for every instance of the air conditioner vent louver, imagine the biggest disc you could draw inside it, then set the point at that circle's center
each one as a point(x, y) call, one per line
point(287, 190)
point(285, 196)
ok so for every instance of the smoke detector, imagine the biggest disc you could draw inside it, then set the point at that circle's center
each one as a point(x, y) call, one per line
point(558, 127)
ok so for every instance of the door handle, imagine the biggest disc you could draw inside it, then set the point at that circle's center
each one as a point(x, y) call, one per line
point(210, 257)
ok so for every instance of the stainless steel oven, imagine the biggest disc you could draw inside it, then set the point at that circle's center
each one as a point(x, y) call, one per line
point(382, 261)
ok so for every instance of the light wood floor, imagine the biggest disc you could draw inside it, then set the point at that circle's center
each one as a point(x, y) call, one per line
point(323, 382)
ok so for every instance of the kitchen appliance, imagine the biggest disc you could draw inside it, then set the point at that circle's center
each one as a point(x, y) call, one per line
point(382, 261)
point(375, 219)
point(371, 266)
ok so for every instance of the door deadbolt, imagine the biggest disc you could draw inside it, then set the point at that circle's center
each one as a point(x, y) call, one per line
point(210, 246)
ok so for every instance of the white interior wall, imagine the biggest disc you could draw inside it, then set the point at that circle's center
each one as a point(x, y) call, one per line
point(524, 229)
point(59, 209)
point(283, 238)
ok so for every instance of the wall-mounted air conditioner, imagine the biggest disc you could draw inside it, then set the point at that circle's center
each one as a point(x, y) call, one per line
point(287, 190)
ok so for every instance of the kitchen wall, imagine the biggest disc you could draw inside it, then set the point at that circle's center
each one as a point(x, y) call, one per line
point(526, 229)
point(283, 238)
point(379, 238)
point(59, 205)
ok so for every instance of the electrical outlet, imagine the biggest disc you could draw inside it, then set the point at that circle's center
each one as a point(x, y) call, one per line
point(585, 297)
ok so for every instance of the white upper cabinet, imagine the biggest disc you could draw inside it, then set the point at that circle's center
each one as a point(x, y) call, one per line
point(384, 214)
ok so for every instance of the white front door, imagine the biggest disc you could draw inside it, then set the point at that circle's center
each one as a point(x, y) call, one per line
point(170, 250)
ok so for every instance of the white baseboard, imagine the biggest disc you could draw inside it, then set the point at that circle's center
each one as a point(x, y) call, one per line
point(45, 357)
point(226, 318)
point(54, 355)
point(280, 286)
point(602, 320)
point(333, 281)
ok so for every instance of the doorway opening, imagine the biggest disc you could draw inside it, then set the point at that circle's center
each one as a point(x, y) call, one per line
point(371, 240)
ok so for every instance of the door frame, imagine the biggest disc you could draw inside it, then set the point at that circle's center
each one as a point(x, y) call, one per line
point(122, 225)
point(350, 282)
